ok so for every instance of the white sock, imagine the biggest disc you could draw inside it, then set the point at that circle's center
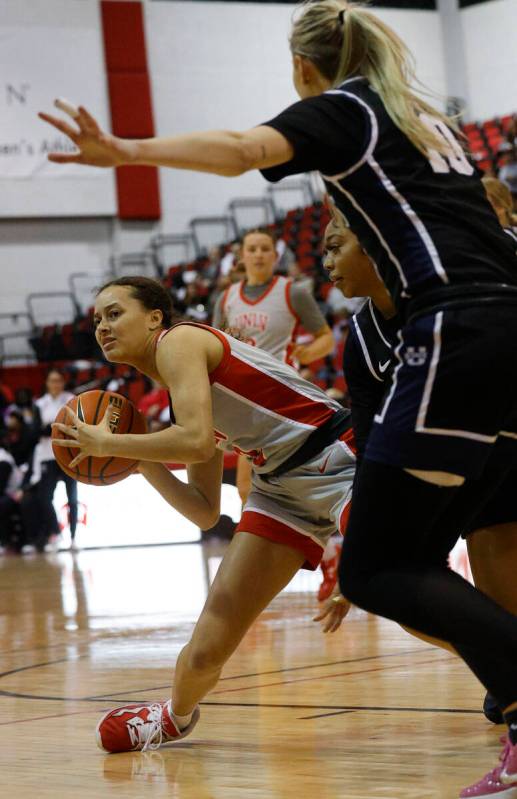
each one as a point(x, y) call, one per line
point(181, 721)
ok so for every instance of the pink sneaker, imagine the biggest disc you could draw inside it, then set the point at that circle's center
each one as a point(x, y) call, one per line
point(509, 770)
point(139, 727)
point(492, 784)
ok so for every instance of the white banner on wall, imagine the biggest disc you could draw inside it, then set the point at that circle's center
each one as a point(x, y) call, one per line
point(49, 49)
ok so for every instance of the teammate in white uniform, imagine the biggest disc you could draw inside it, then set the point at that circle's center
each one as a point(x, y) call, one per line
point(266, 310)
point(225, 395)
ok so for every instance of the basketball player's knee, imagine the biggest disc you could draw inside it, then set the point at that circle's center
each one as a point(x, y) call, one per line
point(354, 581)
point(205, 656)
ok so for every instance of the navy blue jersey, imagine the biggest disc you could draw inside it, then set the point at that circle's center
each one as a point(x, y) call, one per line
point(367, 363)
point(425, 222)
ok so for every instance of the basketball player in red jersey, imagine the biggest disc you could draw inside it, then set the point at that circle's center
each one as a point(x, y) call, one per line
point(224, 395)
point(266, 310)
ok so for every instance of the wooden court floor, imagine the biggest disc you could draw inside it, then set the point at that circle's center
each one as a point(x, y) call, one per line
point(368, 713)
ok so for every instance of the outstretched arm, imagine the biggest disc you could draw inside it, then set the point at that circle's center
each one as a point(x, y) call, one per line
point(221, 152)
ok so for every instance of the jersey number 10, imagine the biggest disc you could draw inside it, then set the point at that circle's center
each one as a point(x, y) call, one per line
point(454, 158)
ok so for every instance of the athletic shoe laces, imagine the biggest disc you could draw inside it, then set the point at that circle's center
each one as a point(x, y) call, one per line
point(150, 734)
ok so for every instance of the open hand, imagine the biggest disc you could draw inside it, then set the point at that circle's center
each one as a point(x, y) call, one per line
point(95, 147)
point(333, 611)
point(91, 439)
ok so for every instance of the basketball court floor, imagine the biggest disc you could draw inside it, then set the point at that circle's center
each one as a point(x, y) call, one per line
point(366, 713)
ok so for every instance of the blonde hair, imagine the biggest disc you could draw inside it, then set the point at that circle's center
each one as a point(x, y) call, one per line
point(345, 40)
point(499, 196)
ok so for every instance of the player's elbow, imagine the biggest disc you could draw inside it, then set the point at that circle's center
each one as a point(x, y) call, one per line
point(203, 449)
point(244, 156)
point(210, 519)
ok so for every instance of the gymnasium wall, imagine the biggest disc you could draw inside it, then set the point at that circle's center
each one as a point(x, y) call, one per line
point(211, 65)
point(490, 44)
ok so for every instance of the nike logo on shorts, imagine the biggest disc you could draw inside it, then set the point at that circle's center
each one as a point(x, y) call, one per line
point(384, 366)
point(321, 469)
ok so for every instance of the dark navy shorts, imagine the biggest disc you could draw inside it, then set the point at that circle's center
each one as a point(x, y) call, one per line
point(452, 401)
point(501, 508)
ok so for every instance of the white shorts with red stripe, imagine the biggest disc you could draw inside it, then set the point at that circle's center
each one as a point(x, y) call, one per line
point(305, 506)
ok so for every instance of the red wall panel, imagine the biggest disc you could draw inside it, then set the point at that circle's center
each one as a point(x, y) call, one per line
point(131, 107)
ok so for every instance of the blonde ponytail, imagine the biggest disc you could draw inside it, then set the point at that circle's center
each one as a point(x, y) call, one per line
point(344, 40)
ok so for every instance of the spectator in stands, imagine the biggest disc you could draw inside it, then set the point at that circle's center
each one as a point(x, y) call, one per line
point(232, 255)
point(508, 172)
point(266, 310)
point(6, 398)
point(21, 437)
point(10, 479)
point(500, 198)
point(49, 405)
point(24, 404)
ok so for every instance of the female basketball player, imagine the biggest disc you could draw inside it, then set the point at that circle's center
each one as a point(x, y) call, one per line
point(266, 310)
point(394, 167)
point(222, 391)
point(368, 358)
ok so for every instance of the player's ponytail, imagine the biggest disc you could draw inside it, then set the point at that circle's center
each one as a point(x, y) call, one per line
point(345, 40)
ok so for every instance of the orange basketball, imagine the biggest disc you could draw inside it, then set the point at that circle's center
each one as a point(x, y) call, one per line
point(90, 408)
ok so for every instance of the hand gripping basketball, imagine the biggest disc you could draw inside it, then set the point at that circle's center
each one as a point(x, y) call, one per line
point(83, 436)
point(91, 439)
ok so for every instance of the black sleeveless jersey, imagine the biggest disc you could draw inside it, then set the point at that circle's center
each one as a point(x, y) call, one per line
point(425, 222)
point(367, 363)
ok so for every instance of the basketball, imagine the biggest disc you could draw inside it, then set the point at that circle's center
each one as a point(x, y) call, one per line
point(90, 408)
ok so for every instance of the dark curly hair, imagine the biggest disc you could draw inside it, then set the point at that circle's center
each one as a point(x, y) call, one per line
point(151, 293)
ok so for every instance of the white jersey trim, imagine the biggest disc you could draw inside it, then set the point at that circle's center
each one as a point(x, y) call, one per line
point(365, 350)
point(374, 135)
point(379, 331)
point(379, 417)
point(412, 216)
point(374, 227)
point(267, 411)
point(429, 383)
point(272, 375)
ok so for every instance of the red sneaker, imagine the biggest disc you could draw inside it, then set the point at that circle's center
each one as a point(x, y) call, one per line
point(329, 568)
point(139, 727)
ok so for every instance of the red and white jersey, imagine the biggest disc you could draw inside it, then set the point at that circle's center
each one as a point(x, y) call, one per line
point(268, 322)
point(262, 408)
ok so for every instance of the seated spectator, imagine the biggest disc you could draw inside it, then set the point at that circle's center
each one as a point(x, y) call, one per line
point(24, 404)
point(10, 479)
point(21, 437)
point(49, 405)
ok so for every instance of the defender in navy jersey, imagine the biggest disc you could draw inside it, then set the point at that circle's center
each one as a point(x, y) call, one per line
point(397, 171)
point(367, 362)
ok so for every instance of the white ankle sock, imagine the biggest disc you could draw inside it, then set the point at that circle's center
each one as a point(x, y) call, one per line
point(182, 721)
